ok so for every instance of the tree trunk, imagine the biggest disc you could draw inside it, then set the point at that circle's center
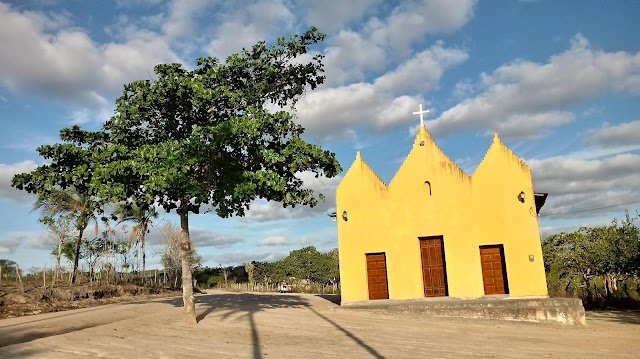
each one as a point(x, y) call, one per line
point(19, 278)
point(58, 255)
point(144, 257)
point(187, 281)
point(76, 260)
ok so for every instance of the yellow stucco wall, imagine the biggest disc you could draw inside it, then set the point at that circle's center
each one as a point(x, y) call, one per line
point(468, 211)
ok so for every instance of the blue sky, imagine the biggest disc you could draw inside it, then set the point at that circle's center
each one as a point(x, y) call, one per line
point(559, 81)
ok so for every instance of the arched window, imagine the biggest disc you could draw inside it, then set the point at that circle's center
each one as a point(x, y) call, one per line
point(427, 187)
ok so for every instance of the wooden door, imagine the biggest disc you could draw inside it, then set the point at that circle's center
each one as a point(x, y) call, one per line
point(494, 273)
point(433, 267)
point(377, 276)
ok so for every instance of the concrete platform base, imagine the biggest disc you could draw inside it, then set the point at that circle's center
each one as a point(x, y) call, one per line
point(555, 310)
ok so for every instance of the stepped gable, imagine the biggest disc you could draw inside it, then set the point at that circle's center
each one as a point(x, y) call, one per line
point(366, 171)
point(497, 145)
point(427, 141)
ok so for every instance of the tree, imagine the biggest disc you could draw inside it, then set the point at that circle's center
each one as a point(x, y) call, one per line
point(68, 251)
point(94, 249)
point(64, 184)
point(62, 227)
point(249, 268)
point(207, 137)
point(173, 238)
point(143, 219)
point(69, 202)
point(7, 267)
point(225, 274)
point(122, 249)
point(608, 252)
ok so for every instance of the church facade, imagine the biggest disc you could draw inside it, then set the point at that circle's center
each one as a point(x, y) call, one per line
point(435, 231)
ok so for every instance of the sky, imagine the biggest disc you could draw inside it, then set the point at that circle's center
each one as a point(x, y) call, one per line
point(559, 81)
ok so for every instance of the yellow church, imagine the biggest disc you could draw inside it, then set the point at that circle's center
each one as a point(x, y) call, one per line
point(435, 231)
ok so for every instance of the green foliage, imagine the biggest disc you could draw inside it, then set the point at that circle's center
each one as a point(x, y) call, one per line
point(205, 136)
point(55, 200)
point(305, 263)
point(8, 266)
point(214, 281)
point(590, 262)
point(69, 250)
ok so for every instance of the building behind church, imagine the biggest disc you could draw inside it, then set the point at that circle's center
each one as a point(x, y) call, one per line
point(436, 231)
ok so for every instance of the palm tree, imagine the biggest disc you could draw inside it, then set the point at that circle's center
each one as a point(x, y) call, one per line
point(142, 217)
point(69, 201)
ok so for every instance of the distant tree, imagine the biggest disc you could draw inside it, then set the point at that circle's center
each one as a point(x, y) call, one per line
point(173, 239)
point(7, 268)
point(333, 266)
point(308, 263)
point(123, 250)
point(225, 271)
point(64, 184)
point(95, 249)
point(63, 228)
point(8, 265)
point(610, 253)
point(249, 267)
point(265, 272)
point(143, 220)
point(69, 252)
point(69, 201)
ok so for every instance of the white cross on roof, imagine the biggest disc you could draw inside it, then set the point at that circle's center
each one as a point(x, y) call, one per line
point(421, 113)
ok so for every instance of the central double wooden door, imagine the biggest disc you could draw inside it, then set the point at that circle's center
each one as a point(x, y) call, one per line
point(434, 275)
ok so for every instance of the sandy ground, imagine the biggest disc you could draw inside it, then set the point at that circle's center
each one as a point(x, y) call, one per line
point(302, 326)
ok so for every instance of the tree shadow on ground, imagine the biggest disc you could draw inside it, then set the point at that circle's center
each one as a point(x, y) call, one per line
point(619, 316)
point(20, 352)
point(333, 298)
point(249, 304)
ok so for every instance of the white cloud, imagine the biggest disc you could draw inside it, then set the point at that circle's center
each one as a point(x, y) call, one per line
point(261, 20)
point(238, 258)
point(386, 102)
point(411, 20)
point(134, 3)
point(86, 115)
point(578, 185)
point(51, 58)
point(206, 238)
point(33, 240)
point(350, 56)
point(181, 22)
point(532, 126)
point(525, 92)
point(271, 211)
point(332, 15)
point(202, 237)
point(272, 241)
point(421, 72)
point(353, 53)
point(9, 245)
point(6, 175)
point(623, 134)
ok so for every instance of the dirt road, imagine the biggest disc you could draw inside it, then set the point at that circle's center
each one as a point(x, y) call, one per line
point(302, 326)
